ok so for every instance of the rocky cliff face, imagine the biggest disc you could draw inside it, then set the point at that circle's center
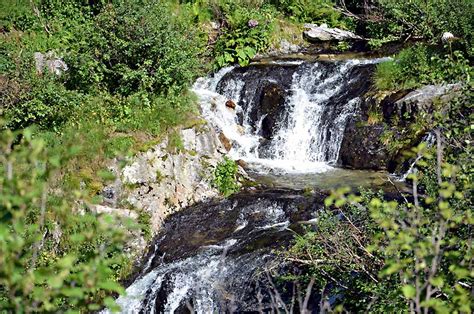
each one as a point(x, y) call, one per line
point(363, 146)
point(161, 181)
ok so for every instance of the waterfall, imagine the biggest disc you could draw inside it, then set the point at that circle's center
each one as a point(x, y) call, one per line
point(289, 117)
point(319, 99)
point(218, 273)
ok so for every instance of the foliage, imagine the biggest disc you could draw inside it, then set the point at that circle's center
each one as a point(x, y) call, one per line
point(136, 46)
point(51, 257)
point(123, 58)
point(431, 19)
point(247, 34)
point(420, 65)
point(225, 177)
point(311, 11)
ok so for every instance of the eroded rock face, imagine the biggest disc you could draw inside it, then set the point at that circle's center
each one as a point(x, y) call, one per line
point(160, 183)
point(322, 33)
point(363, 147)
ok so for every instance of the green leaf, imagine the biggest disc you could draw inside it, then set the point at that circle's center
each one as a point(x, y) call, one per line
point(437, 281)
point(408, 291)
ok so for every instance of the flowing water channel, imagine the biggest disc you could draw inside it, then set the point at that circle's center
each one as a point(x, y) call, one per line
point(287, 126)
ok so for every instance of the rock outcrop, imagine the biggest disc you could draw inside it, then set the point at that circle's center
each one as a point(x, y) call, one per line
point(323, 33)
point(51, 62)
point(271, 104)
point(159, 182)
point(363, 146)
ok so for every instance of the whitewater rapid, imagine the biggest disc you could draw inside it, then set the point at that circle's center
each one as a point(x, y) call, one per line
point(309, 134)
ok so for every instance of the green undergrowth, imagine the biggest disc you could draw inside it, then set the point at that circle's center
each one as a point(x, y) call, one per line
point(421, 65)
point(225, 177)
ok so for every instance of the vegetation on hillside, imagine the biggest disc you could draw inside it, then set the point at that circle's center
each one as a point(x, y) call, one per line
point(129, 66)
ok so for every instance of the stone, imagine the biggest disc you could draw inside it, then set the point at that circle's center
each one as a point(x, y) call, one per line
point(49, 61)
point(230, 104)
point(242, 163)
point(423, 98)
point(362, 147)
point(225, 141)
point(240, 129)
point(189, 139)
point(120, 212)
point(323, 33)
point(271, 103)
point(286, 47)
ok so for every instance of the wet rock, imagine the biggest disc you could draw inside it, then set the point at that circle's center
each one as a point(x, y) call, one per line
point(322, 33)
point(241, 163)
point(240, 129)
point(225, 141)
point(362, 146)
point(230, 104)
point(271, 104)
point(254, 79)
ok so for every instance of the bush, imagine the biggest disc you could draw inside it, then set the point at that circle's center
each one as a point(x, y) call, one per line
point(52, 258)
point(225, 177)
point(420, 65)
point(432, 18)
point(136, 46)
point(311, 11)
point(47, 103)
point(248, 33)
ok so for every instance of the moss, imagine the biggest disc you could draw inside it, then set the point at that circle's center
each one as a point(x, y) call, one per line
point(144, 220)
point(175, 143)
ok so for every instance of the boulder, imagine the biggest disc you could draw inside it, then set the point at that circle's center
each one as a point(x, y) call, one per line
point(50, 62)
point(225, 141)
point(242, 163)
point(323, 33)
point(362, 146)
point(230, 104)
point(272, 101)
point(422, 99)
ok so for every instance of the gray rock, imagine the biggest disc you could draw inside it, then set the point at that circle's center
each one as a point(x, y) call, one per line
point(362, 147)
point(323, 33)
point(163, 183)
point(189, 139)
point(49, 61)
point(424, 97)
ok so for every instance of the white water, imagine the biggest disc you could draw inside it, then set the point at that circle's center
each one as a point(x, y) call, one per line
point(206, 278)
point(308, 139)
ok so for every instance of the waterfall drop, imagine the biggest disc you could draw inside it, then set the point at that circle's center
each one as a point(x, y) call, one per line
point(302, 133)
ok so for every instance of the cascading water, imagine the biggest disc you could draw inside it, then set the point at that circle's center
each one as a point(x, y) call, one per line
point(209, 256)
point(308, 125)
point(289, 116)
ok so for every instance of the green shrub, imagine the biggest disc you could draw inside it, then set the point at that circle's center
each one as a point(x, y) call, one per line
point(420, 65)
point(311, 11)
point(136, 46)
point(432, 18)
point(52, 258)
point(46, 103)
point(225, 177)
point(241, 41)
